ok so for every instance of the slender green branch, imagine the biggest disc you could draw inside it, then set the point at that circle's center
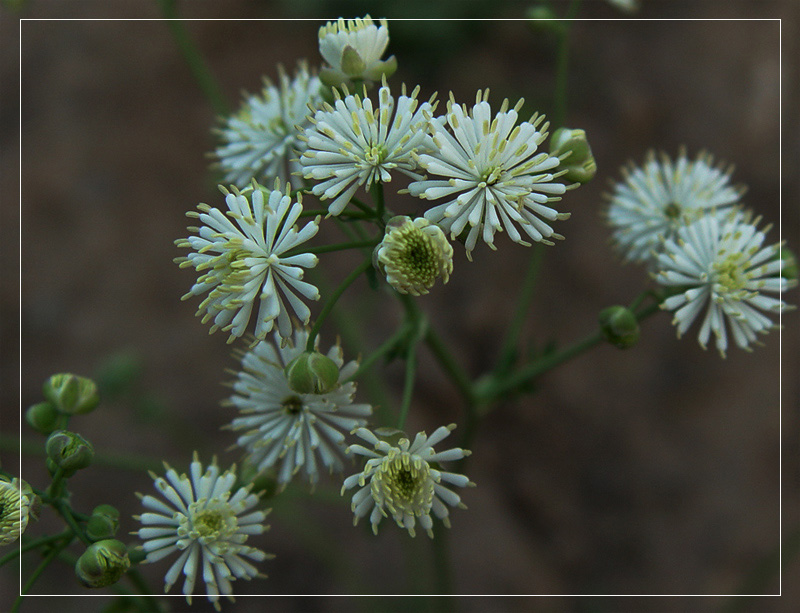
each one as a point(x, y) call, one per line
point(364, 207)
point(562, 65)
point(381, 351)
point(65, 511)
point(450, 366)
point(335, 247)
point(408, 385)
point(200, 71)
point(34, 544)
point(509, 351)
point(377, 194)
point(337, 293)
point(51, 555)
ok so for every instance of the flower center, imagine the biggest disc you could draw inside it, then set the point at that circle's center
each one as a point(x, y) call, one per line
point(404, 482)
point(490, 176)
point(376, 154)
point(212, 524)
point(672, 210)
point(292, 405)
point(416, 259)
point(730, 273)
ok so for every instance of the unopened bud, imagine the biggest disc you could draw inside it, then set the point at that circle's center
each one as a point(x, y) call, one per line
point(312, 373)
point(71, 394)
point(69, 451)
point(103, 563)
point(572, 148)
point(789, 268)
point(103, 523)
point(619, 326)
point(45, 418)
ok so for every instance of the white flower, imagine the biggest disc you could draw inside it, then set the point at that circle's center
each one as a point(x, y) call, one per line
point(289, 430)
point(353, 144)
point(17, 504)
point(260, 141)
point(353, 50)
point(719, 265)
point(413, 254)
point(208, 524)
point(241, 258)
point(400, 481)
point(491, 174)
point(650, 202)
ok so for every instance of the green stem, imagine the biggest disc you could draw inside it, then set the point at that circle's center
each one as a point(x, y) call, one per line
point(200, 71)
point(377, 194)
point(65, 511)
point(450, 366)
point(337, 293)
point(51, 555)
point(509, 351)
point(364, 207)
point(562, 63)
point(385, 348)
point(497, 388)
point(34, 544)
point(336, 247)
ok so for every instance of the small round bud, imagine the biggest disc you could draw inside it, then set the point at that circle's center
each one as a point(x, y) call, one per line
point(69, 451)
point(541, 18)
point(312, 373)
point(789, 268)
point(619, 326)
point(572, 148)
point(71, 394)
point(44, 418)
point(103, 523)
point(103, 563)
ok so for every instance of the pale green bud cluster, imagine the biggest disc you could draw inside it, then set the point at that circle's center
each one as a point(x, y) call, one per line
point(413, 254)
point(103, 563)
point(312, 373)
point(65, 395)
point(572, 148)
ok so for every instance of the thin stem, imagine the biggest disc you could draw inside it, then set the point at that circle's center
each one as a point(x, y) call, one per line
point(51, 555)
point(65, 511)
point(408, 385)
point(377, 194)
point(450, 366)
point(385, 348)
point(364, 207)
point(200, 71)
point(524, 300)
point(337, 293)
point(34, 544)
point(336, 247)
point(562, 64)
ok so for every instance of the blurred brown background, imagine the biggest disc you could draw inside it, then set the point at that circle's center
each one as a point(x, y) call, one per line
point(652, 471)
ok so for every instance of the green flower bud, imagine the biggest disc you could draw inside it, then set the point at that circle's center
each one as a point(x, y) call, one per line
point(69, 451)
point(71, 394)
point(103, 523)
point(103, 563)
point(619, 326)
point(572, 148)
point(312, 373)
point(789, 268)
point(44, 418)
point(541, 18)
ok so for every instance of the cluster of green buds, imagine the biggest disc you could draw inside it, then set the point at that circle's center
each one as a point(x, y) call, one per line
point(65, 395)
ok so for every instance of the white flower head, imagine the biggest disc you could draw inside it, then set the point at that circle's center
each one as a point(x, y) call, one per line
point(353, 49)
point(402, 482)
point(650, 202)
point(489, 171)
point(207, 523)
point(353, 143)
point(260, 141)
point(17, 504)
point(242, 259)
point(287, 430)
point(413, 254)
point(720, 266)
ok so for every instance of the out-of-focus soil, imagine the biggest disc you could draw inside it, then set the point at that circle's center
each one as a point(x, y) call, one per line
point(650, 471)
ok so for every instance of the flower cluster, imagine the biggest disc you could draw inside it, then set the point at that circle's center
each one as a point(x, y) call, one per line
point(207, 523)
point(260, 141)
point(283, 428)
point(243, 255)
point(684, 219)
point(400, 480)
